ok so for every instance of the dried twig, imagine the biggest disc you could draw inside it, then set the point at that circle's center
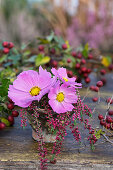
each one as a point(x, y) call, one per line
point(108, 107)
point(87, 92)
point(108, 140)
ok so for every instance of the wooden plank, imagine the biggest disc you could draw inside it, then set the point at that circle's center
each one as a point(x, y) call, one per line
point(19, 151)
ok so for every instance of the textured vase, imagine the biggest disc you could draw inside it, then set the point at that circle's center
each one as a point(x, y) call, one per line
point(47, 136)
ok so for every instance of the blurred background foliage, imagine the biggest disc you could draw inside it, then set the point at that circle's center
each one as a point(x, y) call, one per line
point(79, 21)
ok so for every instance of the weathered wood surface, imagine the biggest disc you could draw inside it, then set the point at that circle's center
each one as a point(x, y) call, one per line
point(19, 151)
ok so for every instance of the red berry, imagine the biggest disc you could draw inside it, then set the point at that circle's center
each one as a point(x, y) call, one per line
point(95, 99)
point(92, 132)
point(102, 122)
point(70, 73)
point(92, 88)
point(79, 71)
point(2, 125)
point(6, 50)
point(10, 106)
point(79, 55)
point(41, 48)
point(103, 80)
point(90, 56)
point(110, 67)
point(99, 84)
point(103, 71)
point(107, 125)
point(96, 89)
point(100, 117)
point(83, 69)
point(85, 75)
point(89, 71)
point(53, 161)
point(15, 113)
point(10, 100)
point(54, 63)
point(73, 54)
point(83, 61)
point(108, 100)
point(64, 46)
point(110, 112)
point(11, 119)
point(5, 44)
point(68, 60)
point(77, 66)
point(109, 119)
point(10, 45)
point(87, 80)
point(52, 51)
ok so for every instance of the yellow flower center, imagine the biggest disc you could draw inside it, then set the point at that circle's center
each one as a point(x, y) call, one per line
point(34, 91)
point(60, 97)
point(65, 79)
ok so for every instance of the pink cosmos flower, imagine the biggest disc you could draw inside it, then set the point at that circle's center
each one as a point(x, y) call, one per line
point(62, 75)
point(29, 86)
point(61, 98)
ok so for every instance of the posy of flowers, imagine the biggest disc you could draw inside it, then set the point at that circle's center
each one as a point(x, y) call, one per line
point(56, 96)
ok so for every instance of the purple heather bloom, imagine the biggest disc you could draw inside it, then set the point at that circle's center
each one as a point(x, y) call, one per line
point(61, 98)
point(62, 75)
point(29, 86)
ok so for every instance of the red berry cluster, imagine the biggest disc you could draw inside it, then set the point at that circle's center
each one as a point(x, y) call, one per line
point(83, 71)
point(7, 46)
point(14, 113)
point(96, 88)
point(109, 100)
point(107, 121)
point(92, 138)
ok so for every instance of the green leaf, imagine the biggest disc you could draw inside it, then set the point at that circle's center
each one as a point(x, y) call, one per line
point(92, 147)
point(50, 37)
point(15, 58)
point(7, 123)
point(5, 82)
point(86, 47)
point(1, 108)
point(59, 40)
point(1, 47)
point(26, 53)
point(109, 58)
point(15, 51)
point(4, 86)
point(7, 64)
point(40, 60)
point(43, 41)
point(3, 58)
point(32, 59)
point(85, 51)
point(74, 122)
point(23, 46)
point(98, 133)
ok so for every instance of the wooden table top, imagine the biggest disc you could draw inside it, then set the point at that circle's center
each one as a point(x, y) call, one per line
point(19, 150)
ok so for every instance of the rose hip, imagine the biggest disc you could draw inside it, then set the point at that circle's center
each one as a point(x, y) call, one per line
point(110, 112)
point(95, 99)
point(99, 84)
point(87, 80)
point(100, 117)
point(10, 106)
point(64, 46)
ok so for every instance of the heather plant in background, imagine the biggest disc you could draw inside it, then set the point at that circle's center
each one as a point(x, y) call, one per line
point(94, 30)
point(51, 102)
